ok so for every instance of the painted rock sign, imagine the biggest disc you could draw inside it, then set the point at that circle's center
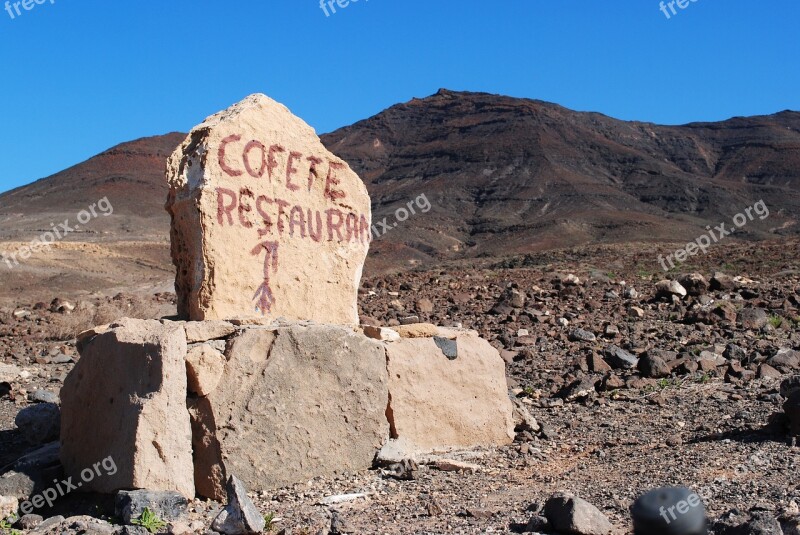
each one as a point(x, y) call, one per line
point(265, 220)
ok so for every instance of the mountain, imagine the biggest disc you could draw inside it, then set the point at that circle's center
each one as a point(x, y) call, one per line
point(130, 175)
point(502, 176)
point(507, 176)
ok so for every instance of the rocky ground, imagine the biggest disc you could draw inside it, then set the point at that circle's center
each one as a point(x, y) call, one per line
point(632, 384)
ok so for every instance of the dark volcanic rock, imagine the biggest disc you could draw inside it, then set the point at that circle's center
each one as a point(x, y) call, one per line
point(753, 318)
point(619, 358)
point(129, 504)
point(651, 365)
point(694, 283)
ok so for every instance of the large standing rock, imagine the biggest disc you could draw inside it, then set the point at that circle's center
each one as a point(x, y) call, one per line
point(265, 220)
point(294, 402)
point(448, 393)
point(126, 400)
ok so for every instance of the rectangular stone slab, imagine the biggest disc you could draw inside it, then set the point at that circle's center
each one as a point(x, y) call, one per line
point(293, 403)
point(126, 399)
point(265, 220)
point(447, 393)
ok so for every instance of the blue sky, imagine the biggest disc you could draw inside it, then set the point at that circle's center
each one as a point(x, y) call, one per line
point(81, 76)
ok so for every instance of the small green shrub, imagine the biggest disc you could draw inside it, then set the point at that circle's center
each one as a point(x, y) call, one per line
point(149, 521)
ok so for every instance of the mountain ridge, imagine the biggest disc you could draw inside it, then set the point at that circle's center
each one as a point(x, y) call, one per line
point(504, 176)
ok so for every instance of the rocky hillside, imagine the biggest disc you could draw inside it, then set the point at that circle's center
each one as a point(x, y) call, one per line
point(499, 176)
point(507, 175)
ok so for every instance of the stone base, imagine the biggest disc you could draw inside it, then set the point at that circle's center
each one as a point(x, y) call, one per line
point(447, 390)
point(272, 405)
point(293, 403)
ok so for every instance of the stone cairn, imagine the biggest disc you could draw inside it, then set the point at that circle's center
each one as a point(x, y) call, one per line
point(269, 378)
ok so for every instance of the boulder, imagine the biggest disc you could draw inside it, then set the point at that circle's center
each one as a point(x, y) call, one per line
point(753, 318)
point(652, 365)
point(668, 288)
point(785, 360)
point(265, 220)
point(125, 400)
point(39, 423)
point(32, 473)
point(792, 409)
point(294, 402)
point(722, 282)
point(8, 506)
point(695, 284)
point(570, 514)
point(240, 516)
point(167, 505)
point(439, 402)
point(619, 358)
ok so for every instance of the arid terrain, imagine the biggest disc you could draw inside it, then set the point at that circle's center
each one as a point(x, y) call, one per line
point(545, 230)
point(705, 413)
point(501, 176)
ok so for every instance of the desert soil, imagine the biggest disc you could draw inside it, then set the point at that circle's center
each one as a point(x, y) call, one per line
point(606, 435)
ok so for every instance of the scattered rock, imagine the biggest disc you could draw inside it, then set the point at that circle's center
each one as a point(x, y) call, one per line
point(424, 306)
point(32, 471)
point(735, 353)
point(50, 526)
point(651, 365)
point(635, 312)
point(240, 516)
point(85, 525)
point(450, 465)
point(8, 506)
point(44, 396)
point(619, 358)
point(169, 506)
point(29, 521)
point(570, 514)
point(668, 288)
point(39, 423)
point(759, 523)
point(579, 389)
point(786, 360)
point(722, 282)
point(581, 335)
point(405, 470)
point(753, 318)
point(765, 371)
point(597, 364)
point(695, 284)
